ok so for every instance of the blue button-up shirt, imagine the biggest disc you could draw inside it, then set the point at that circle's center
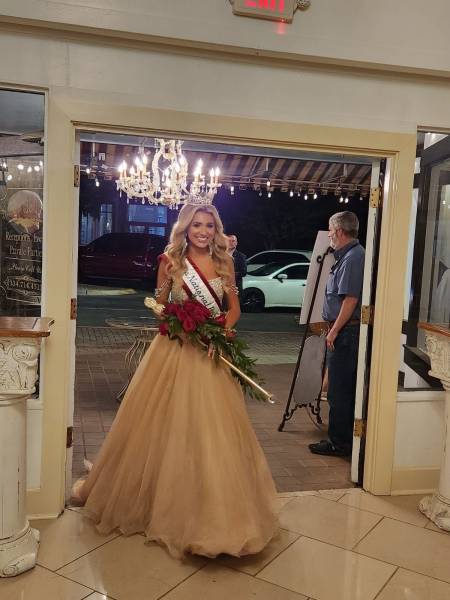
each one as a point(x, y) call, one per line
point(346, 279)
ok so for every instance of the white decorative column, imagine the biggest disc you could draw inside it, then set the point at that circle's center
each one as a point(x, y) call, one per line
point(437, 340)
point(20, 340)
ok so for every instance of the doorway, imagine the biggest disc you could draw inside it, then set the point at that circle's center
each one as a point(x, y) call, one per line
point(108, 306)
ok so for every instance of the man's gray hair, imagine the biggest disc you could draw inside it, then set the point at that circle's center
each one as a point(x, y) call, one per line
point(347, 221)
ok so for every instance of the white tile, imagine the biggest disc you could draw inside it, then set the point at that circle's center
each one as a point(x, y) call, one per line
point(328, 521)
point(216, 582)
point(40, 584)
point(66, 538)
point(324, 572)
point(406, 585)
point(402, 508)
point(414, 548)
point(129, 569)
point(253, 563)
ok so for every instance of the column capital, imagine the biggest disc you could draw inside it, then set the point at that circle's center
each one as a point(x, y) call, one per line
point(438, 349)
point(18, 367)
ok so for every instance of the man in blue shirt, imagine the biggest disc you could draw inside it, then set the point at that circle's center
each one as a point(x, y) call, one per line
point(342, 311)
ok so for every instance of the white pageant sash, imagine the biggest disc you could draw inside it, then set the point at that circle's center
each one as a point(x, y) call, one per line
point(199, 289)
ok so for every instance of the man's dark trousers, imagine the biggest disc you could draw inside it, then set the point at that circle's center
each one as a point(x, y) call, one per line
point(342, 364)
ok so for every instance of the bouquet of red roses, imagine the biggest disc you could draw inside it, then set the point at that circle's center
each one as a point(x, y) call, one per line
point(192, 321)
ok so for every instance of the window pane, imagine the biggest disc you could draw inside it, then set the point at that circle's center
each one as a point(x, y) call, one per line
point(105, 218)
point(427, 293)
point(296, 272)
point(145, 213)
point(21, 202)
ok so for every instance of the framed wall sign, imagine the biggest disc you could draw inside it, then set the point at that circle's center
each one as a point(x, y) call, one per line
point(274, 10)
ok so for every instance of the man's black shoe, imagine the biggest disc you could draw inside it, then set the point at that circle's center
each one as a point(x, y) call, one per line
point(326, 448)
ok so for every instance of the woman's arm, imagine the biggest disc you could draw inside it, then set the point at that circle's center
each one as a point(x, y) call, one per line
point(163, 281)
point(234, 310)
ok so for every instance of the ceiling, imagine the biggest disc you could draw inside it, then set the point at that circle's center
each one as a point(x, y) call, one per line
point(241, 166)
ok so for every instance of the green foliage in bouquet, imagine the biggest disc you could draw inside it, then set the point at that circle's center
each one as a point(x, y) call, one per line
point(193, 322)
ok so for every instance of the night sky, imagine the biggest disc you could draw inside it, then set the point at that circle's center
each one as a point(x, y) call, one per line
point(258, 221)
point(281, 221)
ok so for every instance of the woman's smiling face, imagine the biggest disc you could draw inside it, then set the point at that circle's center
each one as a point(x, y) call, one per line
point(201, 231)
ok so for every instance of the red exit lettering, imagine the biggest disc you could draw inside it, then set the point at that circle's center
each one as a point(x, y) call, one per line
point(271, 5)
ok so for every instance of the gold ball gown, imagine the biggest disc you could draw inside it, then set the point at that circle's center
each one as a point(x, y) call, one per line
point(182, 463)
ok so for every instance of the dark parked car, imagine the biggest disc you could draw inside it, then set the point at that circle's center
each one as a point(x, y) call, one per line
point(121, 256)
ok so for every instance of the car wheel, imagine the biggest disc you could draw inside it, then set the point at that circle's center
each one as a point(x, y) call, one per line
point(253, 300)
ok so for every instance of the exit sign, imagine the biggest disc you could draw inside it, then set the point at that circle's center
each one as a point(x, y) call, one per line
point(274, 10)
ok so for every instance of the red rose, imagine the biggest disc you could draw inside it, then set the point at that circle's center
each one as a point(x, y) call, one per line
point(180, 313)
point(170, 309)
point(164, 328)
point(195, 311)
point(188, 324)
point(198, 314)
point(220, 320)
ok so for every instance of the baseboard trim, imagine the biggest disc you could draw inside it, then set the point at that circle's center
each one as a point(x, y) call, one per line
point(408, 481)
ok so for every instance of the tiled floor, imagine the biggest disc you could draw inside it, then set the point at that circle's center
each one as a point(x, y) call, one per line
point(100, 374)
point(332, 545)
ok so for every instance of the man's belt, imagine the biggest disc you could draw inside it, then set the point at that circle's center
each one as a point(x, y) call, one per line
point(351, 322)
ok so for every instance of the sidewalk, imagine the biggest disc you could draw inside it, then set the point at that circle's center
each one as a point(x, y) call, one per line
point(269, 348)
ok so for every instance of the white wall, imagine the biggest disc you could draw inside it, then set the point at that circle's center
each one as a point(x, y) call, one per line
point(126, 76)
point(420, 429)
point(407, 33)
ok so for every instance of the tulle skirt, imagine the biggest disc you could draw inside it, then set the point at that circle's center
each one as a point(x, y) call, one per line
point(182, 463)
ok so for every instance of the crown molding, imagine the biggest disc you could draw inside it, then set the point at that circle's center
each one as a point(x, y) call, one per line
point(186, 47)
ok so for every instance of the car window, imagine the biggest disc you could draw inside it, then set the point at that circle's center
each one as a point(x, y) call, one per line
point(134, 244)
point(265, 270)
point(274, 256)
point(296, 272)
point(105, 244)
point(260, 259)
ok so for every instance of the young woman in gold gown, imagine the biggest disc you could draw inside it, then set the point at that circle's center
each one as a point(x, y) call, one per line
point(182, 463)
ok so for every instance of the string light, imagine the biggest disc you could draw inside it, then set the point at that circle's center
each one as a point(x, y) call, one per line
point(315, 196)
point(269, 195)
point(9, 177)
point(88, 171)
point(20, 167)
point(305, 196)
point(291, 194)
point(232, 190)
point(97, 182)
point(29, 170)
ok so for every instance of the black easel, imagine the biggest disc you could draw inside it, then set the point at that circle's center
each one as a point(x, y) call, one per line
point(288, 412)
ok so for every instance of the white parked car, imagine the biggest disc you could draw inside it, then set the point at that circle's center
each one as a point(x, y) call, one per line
point(274, 285)
point(282, 257)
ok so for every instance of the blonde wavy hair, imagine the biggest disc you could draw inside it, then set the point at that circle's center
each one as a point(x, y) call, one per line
point(176, 249)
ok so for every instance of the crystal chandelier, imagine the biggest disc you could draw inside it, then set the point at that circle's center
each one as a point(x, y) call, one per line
point(166, 183)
